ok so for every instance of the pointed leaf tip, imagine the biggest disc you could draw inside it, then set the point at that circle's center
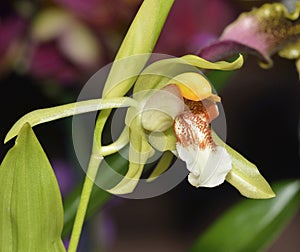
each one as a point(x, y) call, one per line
point(30, 203)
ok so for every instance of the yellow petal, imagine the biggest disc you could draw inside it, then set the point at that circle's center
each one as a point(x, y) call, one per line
point(193, 86)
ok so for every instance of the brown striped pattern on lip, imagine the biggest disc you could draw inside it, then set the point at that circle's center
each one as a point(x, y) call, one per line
point(207, 162)
point(192, 127)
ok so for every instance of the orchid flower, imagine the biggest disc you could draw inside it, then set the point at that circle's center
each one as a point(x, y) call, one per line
point(176, 107)
point(262, 32)
point(171, 108)
point(190, 105)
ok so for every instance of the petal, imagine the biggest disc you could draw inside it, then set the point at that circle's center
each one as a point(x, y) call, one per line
point(161, 108)
point(193, 86)
point(262, 32)
point(163, 141)
point(208, 163)
point(209, 168)
point(158, 74)
point(206, 106)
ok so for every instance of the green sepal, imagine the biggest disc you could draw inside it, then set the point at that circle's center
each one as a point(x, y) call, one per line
point(158, 74)
point(137, 46)
point(139, 152)
point(163, 141)
point(245, 176)
point(163, 165)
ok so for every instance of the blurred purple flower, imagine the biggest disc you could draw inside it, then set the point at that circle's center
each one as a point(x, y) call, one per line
point(12, 29)
point(62, 47)
point(69, 41)
point(47, 62)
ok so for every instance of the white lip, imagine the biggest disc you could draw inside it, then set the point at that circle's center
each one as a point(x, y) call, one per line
point(207, 168)
point(207, 162)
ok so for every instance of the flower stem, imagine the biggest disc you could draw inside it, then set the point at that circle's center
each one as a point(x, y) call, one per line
point(95, 161)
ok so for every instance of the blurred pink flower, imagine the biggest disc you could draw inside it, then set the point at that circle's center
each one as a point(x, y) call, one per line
point(62, 47)
point(66, 42)
point(265, 30)
point(262, 32)
point(105, 14)
point(193, 24)
point(12, 29)
point(47, 62)
point(69, 40)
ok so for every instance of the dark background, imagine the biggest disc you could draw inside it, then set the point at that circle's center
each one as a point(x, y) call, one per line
point(262, 111)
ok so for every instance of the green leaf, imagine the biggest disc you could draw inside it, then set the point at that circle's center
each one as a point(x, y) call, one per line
point(50, 114)
point(245, 176)
point(31, 211)
point(252, 224)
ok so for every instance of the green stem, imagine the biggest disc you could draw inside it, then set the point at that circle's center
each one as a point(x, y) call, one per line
point(94, 163)
point(149, 20)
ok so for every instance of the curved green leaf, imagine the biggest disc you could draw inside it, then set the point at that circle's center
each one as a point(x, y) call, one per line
point(50, 114)
point(31, 211)
point(252, 224)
